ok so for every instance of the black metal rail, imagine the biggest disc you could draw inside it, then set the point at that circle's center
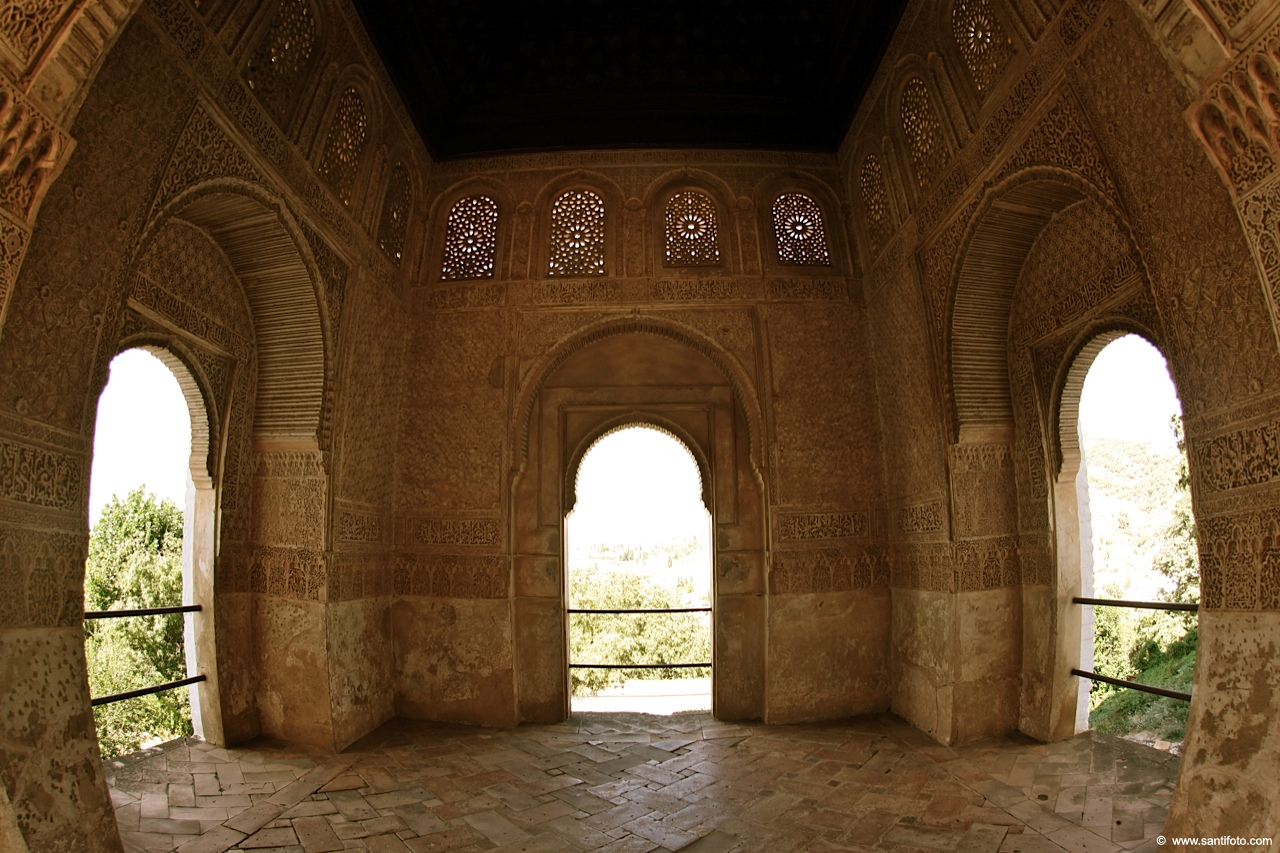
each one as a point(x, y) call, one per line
point(145, 611)
point(648, 610)
point(637, 665)
point(1132, 685)
point(1146, 605)
point(640, 665)
point(144, 691)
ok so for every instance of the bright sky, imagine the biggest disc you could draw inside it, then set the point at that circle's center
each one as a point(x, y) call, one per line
point(662, 497)
point(1128, 394)
point(143, 434)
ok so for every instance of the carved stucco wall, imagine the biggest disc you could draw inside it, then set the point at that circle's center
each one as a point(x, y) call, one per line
point(375, 516)
point(1137, 109)
point(187, 220)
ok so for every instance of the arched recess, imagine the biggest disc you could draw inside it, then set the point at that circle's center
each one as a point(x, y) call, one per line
point(1028, 286)
point(614, 207)
point(282, 283)
point(1071, 494)
point(437, 224)
point(624, 371)
point(200, 528)
point(655, 201)
point(276, 441)
point(994, 249)
point(767, 192)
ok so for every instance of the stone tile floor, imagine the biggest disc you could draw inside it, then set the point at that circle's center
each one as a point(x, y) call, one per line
point(630, 782)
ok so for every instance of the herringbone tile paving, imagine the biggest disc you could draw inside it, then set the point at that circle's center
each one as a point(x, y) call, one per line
point(623, 782)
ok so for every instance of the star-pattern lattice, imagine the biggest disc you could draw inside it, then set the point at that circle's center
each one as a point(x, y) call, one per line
point(471, 238)
point(577, 234)
point(797, 223)
point(691, 230)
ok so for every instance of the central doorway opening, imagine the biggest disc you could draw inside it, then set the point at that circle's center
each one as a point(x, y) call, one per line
point(638, 577)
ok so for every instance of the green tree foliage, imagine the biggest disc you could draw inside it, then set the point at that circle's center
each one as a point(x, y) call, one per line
point(1149, 646)
point(642, 638)
point(135, 561)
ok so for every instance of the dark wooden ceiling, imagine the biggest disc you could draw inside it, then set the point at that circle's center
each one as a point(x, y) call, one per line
point(559, 74)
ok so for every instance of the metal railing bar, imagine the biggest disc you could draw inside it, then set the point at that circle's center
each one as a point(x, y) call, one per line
point(145, 611)
point(637, 665)
point(1133, 685)
point(144, 691)
point(648, 610)
point(1146, 605)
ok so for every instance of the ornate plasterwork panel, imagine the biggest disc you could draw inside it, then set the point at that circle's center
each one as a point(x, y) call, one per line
point(875, 203)
point(922, 518)
point(471, 239)
point(452, 576)
point(827, 570)
point(32, 151)
point(797, 226)
point(922, 130)
point(691, 235)
point(345, 144)
point(482, 532)
point(1080, 260)
point(42, 575)
point(577, 238)
point(276, 68)
point(394, 221)
point(799, 527)
point(983, 43)
point(41, 476)
point(26, 25)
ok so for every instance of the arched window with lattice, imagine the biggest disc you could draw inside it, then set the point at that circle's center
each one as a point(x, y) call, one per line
point(395, 212)
point(797, 223)
point(982, 42)
point(345, 144)
point(276, 70)
point(692, 239)
point(923, 132)
point(875, 201)
point(577, 234)
point(470, 239)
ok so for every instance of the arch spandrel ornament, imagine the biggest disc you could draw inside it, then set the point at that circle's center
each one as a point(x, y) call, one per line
point(544, 366)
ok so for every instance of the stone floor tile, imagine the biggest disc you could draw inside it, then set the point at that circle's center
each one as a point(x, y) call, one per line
point(629, 844)
point(627, 781)
point(660, 832)
point(1029, 842)
point(344, 782)
point(1077, 839)
point(279, 837)
point(214, 841)
point(495, 827)
point(316, 834)
point(386, 843)
point(254, 818)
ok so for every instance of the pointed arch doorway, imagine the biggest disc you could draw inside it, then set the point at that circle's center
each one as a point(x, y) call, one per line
point(609, 375)
point(638, 575)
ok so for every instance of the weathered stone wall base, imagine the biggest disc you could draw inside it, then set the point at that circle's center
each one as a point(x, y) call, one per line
point(49, 760)
point(828, 655)
point(454, 660)
point(1231, 764)
point(360, 683)
point(293, 670)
